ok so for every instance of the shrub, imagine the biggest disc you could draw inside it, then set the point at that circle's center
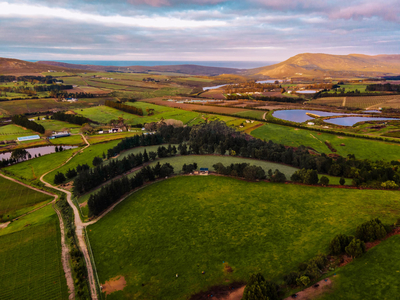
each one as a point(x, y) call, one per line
point(339, 244)
point(97, 161)
point(59, 178)
point(324, 181)
point(371, 231)
point(356, 248)
point(258, 288)
point(277, 176)
point(71, 173)
point(303, 280)
point(290, 279)
point(389, 185)
point(342, 181)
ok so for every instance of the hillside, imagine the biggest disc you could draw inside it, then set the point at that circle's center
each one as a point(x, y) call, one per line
point(20, 67)
point(184, 69)
point(320, 65)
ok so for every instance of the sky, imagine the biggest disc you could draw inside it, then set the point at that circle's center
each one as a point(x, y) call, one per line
point(196, 30)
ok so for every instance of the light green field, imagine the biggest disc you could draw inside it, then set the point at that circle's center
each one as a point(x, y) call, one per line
point(69, 140)
point(86, 157)
point(251, 114)
point(104, 114)
point(373, 276)
point(101, 138)
point(200, 222)
point(15, 199)
point(34, 168)
point(55, 125)
point(362, 148)
point(30, 258)
point(12, 132)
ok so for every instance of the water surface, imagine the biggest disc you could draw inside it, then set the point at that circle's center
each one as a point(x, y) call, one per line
point(37, 150)
point(350, 121)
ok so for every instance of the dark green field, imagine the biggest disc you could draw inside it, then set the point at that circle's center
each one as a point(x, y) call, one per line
point(30, 258)
point(16, 199)
point(187, 225)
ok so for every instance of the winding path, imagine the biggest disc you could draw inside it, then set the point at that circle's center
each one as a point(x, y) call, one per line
point(79, 225)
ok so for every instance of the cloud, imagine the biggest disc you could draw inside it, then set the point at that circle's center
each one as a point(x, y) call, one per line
point(31, 11)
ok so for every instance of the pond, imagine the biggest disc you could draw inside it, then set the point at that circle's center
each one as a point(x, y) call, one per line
point(269, 81)
point(37, 150)
point(299, 115)
point(350, 121)
point(307, 92)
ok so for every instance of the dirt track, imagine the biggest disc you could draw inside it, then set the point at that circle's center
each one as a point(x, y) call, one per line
point(79, 233)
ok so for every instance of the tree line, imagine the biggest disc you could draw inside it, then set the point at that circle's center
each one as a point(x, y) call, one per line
point(124, 107)
point(74, 119)
point(264, 98)
point(113, 191)
point(387, 87)
point(24, 122)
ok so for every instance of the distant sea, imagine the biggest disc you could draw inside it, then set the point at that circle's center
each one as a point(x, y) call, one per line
point(222, 64)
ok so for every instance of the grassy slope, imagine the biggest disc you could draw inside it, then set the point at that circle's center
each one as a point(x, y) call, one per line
point(186, 225)
point(30, 258)
point(374, 276)
point(16, 200)
point(34, 168)
point(12, 132)
point(86, 157)
point(362, 148)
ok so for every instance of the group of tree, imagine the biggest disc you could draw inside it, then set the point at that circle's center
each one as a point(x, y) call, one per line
point(59, 148)
point(73, 119)
point(24, 122)
point(63, 94)
point(91, 178)
point(113, 191)
point(126, 108)
point(189, 168)
point(387, 87)
point(71, 173)
point(242, 170)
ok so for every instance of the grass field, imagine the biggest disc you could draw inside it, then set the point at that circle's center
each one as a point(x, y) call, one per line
point(251, 113)
point(362, 148)
point(15, 199)
point(12, 132)
point(34, 168)
point(104, 114)
point(69, 140)
point(30, 258)
point(55, 125)
point(168, 228)
point(101, 138)
point(374, 276)
point(86, 157)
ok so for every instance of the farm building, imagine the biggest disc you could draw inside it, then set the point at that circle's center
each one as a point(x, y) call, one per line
point(28, 138)
point(203, 171)
point(310, 123)
point(114, 130)
point(60, 134)
point(70, 100)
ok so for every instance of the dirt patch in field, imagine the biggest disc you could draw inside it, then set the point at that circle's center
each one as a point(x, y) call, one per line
point(84, 204)
point(114, 284)
point(314, 291)
point(233, 291)
point(4, 225)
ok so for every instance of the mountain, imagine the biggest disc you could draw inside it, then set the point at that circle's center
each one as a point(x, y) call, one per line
point(321, 65)
point(184, 69)
point(19, 67)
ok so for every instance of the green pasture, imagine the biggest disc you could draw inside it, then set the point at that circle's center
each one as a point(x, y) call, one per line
point(207, 161)
point(85, 157)
point(12, 132)
point(103, 114)
point(30, 258)
point(16, 199)
point(373, 276)
point(55, 125)
point(251, 114)
point(186, 225)
point(362, 148)
point(34, 168)
point(101, 138)
point(69, 140)
point(352, 88)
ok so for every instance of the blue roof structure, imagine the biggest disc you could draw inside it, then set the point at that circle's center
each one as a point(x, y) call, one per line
point(203, 169)
point(28, 138)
